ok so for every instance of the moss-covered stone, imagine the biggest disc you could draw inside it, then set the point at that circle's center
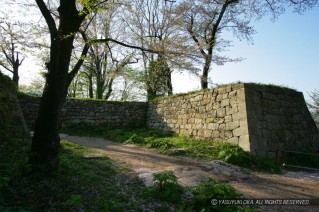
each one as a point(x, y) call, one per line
point(12, 124)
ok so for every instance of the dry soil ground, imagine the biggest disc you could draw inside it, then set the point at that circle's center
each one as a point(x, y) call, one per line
point(253, 185)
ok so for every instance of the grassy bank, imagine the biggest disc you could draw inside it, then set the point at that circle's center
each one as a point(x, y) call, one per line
point(80, 183)
point(84, 183)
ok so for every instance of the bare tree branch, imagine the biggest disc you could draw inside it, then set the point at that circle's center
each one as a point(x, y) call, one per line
point(47, 16)
point(79, 63)
point(124, 44)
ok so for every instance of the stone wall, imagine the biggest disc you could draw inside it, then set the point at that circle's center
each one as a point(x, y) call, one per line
point(218, 114)
point(12, 124)
point(278, 119)
point(91, 112)
point(259, 118)
point(30, 108)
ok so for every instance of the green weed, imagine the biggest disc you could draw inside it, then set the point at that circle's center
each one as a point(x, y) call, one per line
point(79, 183)
point(209, 190)
point(164, 179)
point(310, 160)
point(74, 201)
point(236, 155)
point(199, 197)
point(165, 187)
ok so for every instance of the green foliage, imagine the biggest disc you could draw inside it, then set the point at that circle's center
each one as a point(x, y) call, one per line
point(165, 187)
point(135, 139)
point(157, 77)
point(13, 164)
point(7, 82)
point(117, 135)
point(208, 190)
point(93, 185)
point(161, 144)
point(200, 196)
point(234, 154)
point(13, 142)
point(285, 87)
point(163, 179)
point(74, 201)
point(34, 89)
point(309, 159)
point(158, 99)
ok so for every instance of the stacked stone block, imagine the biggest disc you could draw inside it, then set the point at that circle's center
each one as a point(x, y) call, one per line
point(260, 118)
point(91, 112)
point(104, 113)
point(217, 114)
point(278, 119)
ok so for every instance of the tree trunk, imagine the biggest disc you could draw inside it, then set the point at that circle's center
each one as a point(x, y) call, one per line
point(91, 86)
point(204, 77)
point(100, 81)
point(109, 89)
point(169, 82)
point(151, 94)
point(15, 77)
point(99, 88)
point(46, 140)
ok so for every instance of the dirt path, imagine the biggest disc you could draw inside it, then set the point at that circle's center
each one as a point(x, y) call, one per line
point(291, 185)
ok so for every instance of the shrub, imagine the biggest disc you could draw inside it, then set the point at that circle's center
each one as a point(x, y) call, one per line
point(165, 187)
point(234, 154)
point(135, 139)
point(159, 143)
point(208, 190)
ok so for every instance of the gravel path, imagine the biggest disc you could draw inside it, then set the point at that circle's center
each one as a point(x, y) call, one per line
point(144, 162)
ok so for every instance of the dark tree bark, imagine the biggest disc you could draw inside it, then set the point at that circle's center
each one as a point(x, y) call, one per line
point(90, 76)
point(211, 31)
point(46, 141)
point(15, 76)
point(109, 89)
point(169, 82)
point(207, 65)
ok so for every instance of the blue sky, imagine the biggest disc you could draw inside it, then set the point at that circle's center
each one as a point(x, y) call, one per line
point(285, 52)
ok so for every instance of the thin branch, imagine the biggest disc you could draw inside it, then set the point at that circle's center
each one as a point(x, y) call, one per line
point(124, 44)
point(191, 32)
point(4, 66)
point(47, 16)
point(220, 17)
point(7, 56)
point(79, 63)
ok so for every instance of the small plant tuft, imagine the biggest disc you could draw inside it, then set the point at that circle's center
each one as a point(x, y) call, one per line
point(74, 201)
point(209, 190)
point(165, 187)
point(135, 139)
point(163, 179)
point(234, 154)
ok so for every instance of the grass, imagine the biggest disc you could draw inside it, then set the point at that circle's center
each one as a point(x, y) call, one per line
point(90, 184)
point(82, 184)
point(310, 160)
point(285, 87)
point(171, 144)
point(196, 198)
